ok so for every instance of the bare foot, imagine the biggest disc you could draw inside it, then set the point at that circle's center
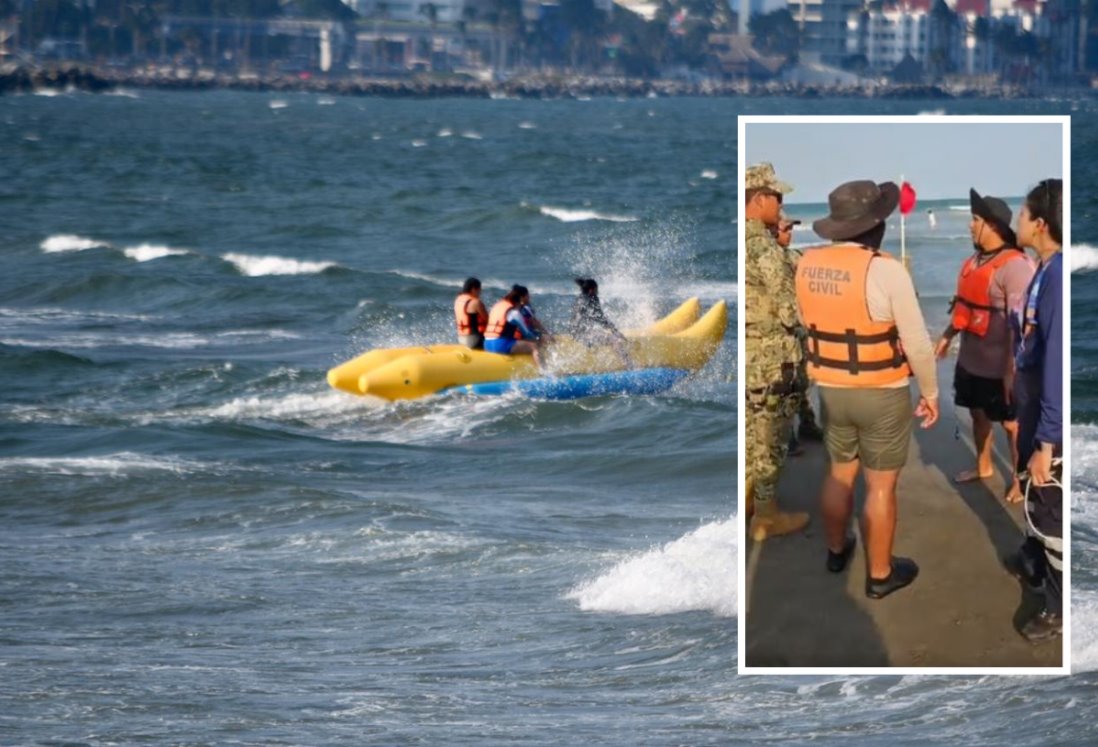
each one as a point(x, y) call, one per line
point(1014, 495)
point(971, 475)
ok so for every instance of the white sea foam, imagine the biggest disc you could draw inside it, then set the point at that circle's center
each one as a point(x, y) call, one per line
point(125, 93)
point(254, 266)
point(107, 464)
point(1084, 630)
point(695, 572)
point(561, 289)
point(470, 135)
point(162, 340)
point(325, 101)
point(149, 252)
point(568, 215)
point(278, 104)
point(419, 143)
point(445, 132)
point(67, 242)
point(708, 174)
point(53, 315)
point(1084, 258)
point(527, 126)
point(168, 340)
point(321, 407)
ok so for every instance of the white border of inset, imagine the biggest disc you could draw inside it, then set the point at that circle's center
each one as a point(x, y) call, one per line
point(741, 618)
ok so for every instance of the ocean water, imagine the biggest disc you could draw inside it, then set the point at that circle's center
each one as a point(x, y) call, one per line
point(201, 543)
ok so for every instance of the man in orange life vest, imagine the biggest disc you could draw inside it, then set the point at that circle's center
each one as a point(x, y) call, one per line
point(991, 283)
point(470, 315)
point(866, 337)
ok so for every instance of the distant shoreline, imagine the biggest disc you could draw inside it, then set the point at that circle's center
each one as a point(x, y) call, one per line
point(527, 86)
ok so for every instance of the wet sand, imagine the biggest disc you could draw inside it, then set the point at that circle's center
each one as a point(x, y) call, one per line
point(963, 609)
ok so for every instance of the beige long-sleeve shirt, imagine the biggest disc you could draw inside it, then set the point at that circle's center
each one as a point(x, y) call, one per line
point(890, 296)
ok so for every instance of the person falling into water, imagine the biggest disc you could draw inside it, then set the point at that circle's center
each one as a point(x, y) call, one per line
point(589, 323)
point(990, 283)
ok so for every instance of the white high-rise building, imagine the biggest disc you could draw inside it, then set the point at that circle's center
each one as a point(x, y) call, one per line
point(885, 37)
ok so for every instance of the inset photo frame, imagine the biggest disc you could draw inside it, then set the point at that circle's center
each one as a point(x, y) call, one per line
point(904, 394)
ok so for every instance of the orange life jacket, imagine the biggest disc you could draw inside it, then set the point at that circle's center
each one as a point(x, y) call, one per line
point(845, 346)
point(498, 326)
point(464, 319)
point(971, 306)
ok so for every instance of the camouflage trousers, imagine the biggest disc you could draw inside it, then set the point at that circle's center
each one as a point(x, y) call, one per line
point(768, 428)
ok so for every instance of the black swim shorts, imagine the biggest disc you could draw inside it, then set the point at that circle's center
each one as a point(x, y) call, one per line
point(980, 393)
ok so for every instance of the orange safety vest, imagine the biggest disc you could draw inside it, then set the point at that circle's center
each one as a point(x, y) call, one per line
point(498, 326)
point(464, 319)
point(845, 346)
point(971, 306)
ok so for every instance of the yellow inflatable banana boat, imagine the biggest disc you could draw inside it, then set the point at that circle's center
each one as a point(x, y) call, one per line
point(679, 340)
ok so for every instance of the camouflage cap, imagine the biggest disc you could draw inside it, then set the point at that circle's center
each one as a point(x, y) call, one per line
point(761, 176)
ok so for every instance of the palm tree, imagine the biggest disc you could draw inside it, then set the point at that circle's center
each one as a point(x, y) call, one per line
point(942, 27)
point(431, 11)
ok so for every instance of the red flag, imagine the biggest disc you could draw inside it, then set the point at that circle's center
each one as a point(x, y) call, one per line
point(907, 198)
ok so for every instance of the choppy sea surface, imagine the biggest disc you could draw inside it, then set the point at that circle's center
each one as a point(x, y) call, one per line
point(201, 543)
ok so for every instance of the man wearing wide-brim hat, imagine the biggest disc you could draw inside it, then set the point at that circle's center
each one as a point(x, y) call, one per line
point(772, 353)
point(990, 283)
point(866, 338)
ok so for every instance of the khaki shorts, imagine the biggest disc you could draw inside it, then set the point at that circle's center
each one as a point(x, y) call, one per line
point(873, 425)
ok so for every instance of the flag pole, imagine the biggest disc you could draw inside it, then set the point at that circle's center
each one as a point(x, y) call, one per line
point(903, 231)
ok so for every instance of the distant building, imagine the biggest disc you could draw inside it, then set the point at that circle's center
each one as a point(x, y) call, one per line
point(975, 39)
point(884, 37)
point(447, 11)
point(823, 25)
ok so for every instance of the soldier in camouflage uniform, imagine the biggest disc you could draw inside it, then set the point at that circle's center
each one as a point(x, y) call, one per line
point(773, 350)
point(807, 427)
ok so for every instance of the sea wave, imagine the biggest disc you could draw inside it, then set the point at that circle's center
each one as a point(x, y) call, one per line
point(149, 252)
point(258, 266)
point(694, 572)
point(1084, 258)
point(709, 174)
point(106, 464)
point(1084, 630)
point(163, 340)
point(67, 242)
point(53, 314)
point(568, 215)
